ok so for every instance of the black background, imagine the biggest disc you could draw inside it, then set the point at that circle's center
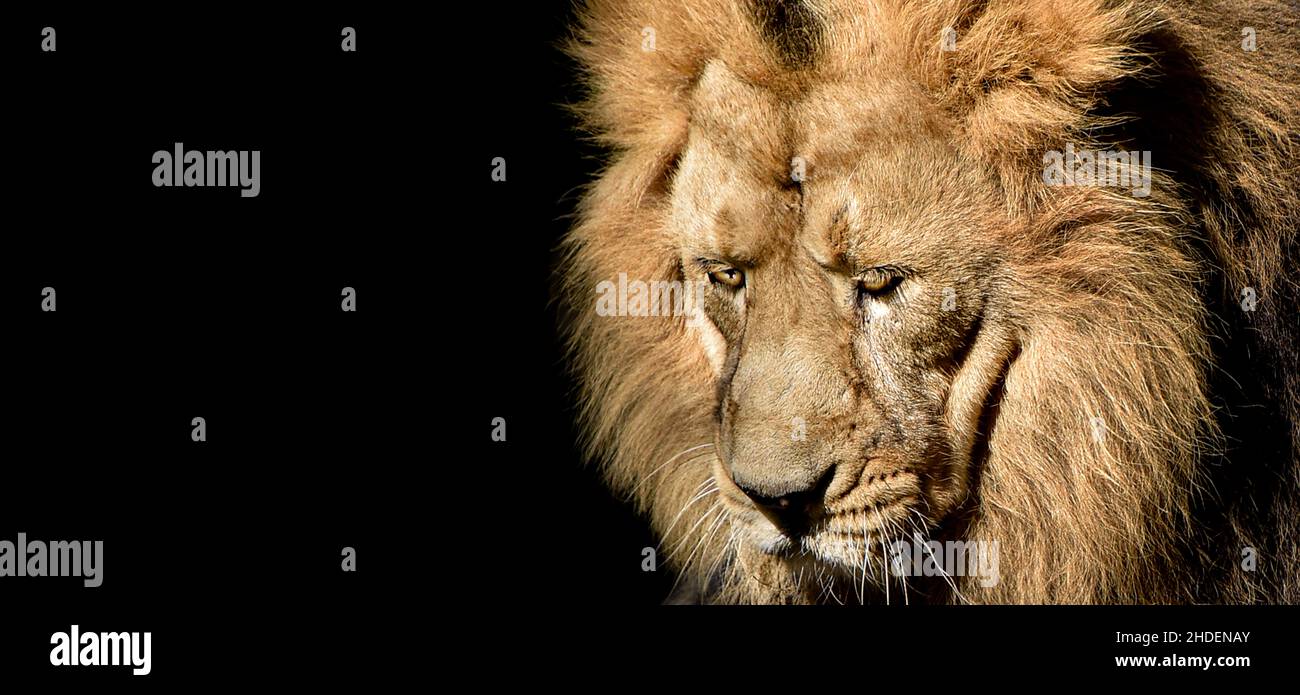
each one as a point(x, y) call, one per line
point(369, 429)
point(175, 303)
point(325, 429)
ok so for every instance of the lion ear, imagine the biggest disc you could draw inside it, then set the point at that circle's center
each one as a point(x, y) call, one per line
point(1022, 75)
point(638, 60)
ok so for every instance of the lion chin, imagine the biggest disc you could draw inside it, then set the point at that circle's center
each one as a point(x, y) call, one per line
point(944, 302)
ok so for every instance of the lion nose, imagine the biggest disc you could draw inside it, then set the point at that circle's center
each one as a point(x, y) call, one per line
point(793, 510)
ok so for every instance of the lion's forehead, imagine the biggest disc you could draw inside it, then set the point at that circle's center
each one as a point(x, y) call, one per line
point(836, 169)
point(774, 134)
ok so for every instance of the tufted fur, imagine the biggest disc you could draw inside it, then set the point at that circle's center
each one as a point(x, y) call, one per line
point(1122, 308)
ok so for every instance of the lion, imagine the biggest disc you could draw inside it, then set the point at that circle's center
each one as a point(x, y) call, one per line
point(1013, 274)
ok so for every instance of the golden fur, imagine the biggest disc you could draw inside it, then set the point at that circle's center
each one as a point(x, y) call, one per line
point(1099, 403)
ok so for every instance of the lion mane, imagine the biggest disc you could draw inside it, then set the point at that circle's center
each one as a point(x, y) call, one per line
point(1170, 319)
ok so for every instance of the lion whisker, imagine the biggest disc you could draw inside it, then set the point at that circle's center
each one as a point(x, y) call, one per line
point(707, 482)
point(866, 562)
point(884, 566)
point(723, 553)
point(660, 467)
point(687, 536)
point(704, 539)
point(944, 573)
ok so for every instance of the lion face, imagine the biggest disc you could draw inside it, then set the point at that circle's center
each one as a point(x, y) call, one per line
point(852, 312)
point(907, 327)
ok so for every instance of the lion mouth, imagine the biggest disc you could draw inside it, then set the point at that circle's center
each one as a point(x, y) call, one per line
point(843, 532)
point(849, 540)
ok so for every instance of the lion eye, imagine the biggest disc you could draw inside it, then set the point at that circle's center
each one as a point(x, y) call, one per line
point(731, 277)
point(877, 282)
